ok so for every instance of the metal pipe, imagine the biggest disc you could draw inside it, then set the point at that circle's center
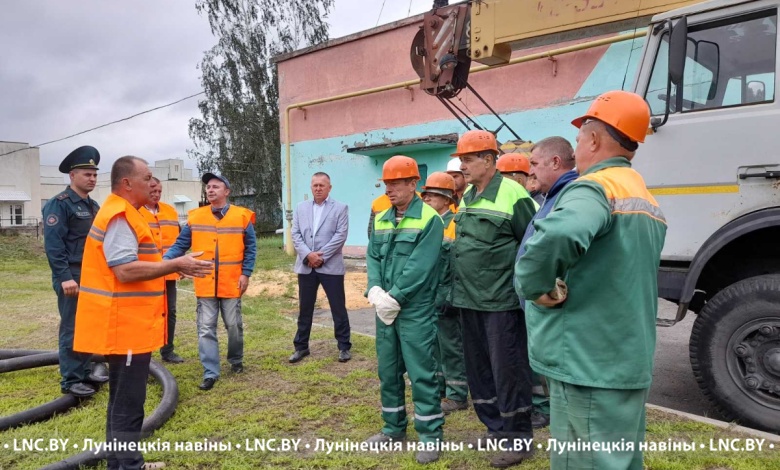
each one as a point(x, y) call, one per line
point(517, 60)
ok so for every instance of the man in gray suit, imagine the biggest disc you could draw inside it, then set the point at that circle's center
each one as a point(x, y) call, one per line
point(319, 231)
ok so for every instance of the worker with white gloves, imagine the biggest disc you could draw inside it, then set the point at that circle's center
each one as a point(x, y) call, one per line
point(387, 308)
point(403, 262)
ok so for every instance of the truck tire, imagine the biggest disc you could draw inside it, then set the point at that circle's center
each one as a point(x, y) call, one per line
point(735, 352)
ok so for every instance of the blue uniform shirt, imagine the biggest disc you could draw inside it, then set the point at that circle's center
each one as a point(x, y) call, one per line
point(67, 219)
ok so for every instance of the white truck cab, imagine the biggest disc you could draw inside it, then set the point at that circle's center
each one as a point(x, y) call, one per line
point(708, 73)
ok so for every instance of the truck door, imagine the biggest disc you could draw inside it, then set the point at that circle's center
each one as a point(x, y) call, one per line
point(717, 156)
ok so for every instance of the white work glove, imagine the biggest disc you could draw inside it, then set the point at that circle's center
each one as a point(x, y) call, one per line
point(387, 308)
point(373, 294)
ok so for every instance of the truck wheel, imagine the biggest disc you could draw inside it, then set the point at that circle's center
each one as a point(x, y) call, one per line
point(735, 351)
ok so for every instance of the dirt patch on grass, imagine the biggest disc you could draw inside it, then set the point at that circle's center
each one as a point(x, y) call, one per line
point(272, 284)
point(354, 287)
point(358, 362)
point(284, 283)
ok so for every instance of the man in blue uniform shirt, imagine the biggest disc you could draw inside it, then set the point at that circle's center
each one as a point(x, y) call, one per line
point(67, 218)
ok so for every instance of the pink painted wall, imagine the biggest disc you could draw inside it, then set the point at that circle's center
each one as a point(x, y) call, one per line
point(383, 59)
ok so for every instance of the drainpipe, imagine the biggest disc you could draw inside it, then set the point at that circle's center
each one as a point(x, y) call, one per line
point(302, 105)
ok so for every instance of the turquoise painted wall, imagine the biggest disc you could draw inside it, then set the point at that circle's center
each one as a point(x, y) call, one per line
point(355, 177)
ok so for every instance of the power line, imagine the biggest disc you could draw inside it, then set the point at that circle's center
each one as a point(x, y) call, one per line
point(410, 9)
point(631, 51)
point(107, 124)
point(380, 13)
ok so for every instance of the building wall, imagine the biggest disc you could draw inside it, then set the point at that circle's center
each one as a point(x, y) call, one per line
point(20, 173)
point(171, 169)
point(535, 99)
point(52, 182)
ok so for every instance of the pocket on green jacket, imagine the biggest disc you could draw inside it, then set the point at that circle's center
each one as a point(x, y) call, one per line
point(546, 334)
point(404, 244)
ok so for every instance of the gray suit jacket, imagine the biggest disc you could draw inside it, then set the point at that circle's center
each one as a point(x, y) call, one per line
point(329, 237)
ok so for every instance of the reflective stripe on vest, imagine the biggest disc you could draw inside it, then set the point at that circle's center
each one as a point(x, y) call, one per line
point(115, 317)
point(165, 228)
point(226, 234)
point(626, 192)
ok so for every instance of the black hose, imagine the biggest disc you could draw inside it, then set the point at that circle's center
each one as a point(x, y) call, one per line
point(18, 359)
point(168, 402)
point(154, 421)
point(29, 362)
point(9, 353)
point(39, 413)
point(42, 412)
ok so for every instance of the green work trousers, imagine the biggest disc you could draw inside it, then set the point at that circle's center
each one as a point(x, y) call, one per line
point(452, 373)
point(409, 345)
point(596, 415)
point(539, 398)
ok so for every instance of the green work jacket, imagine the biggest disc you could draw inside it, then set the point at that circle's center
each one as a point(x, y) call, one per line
point(603, 237)
point(403, 258)
point(489, 227)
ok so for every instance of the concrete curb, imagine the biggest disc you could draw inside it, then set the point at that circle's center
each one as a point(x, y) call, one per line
point(720, 424)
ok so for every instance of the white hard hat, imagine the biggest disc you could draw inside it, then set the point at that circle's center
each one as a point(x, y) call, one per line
point(454, 165)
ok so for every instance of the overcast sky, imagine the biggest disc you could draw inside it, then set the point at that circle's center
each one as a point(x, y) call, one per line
point(68, 66)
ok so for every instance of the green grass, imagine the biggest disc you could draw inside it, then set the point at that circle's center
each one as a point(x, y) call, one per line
point(271, 255)
point(317, 398)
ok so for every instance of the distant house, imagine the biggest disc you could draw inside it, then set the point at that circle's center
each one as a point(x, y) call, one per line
point(20, 199)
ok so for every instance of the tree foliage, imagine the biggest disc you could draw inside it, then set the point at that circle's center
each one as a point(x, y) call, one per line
point(238, 134)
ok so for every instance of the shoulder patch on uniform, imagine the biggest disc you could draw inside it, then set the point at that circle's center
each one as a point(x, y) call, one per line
point(62, 196)
point(52, 220)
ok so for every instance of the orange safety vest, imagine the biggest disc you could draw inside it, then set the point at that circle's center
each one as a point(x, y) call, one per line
point(227, 234)
point(114, 317)
point(380, 204)
point(165, 228)
point(449, 232)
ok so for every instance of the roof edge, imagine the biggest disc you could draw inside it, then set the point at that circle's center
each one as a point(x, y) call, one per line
point(349, 38)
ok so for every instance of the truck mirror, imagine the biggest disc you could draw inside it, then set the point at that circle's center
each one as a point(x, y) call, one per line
point(678, 46)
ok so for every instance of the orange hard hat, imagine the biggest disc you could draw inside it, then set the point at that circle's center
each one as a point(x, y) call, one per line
point(476, 141)
point(440, 180)
point(625, 111)
point(400, 167)
point(441, 183)
point(513, 163)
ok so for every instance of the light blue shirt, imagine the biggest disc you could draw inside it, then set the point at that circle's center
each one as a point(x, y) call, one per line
point(317, 214)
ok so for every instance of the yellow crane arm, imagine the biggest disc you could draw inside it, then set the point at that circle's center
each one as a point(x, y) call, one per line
point(500, 26)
